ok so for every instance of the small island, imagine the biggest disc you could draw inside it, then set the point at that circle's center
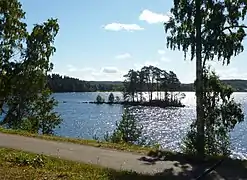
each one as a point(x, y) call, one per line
point(150, 86)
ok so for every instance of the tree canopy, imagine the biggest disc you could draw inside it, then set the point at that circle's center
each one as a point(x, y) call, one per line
point(152, 80)
point(206, 30)
point(24, 64)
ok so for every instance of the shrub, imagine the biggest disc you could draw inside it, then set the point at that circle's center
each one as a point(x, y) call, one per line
point(26, 160)
point(127, 131)
point(117, 99)
point(221, 114)
point(111, 98)
point(100, 99)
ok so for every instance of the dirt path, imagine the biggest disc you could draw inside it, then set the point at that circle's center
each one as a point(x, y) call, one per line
point(119, 160)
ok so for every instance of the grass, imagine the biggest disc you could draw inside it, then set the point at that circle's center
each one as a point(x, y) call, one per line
point(15, 164)
point(23, 165)
point(94, 143)
point(150, 151)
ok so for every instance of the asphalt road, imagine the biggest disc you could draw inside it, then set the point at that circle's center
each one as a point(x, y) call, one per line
point(104, 157)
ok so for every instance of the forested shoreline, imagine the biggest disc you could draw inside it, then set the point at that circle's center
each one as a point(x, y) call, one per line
point(60, 84)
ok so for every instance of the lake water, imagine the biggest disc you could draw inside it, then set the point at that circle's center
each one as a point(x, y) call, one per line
point(165, 126)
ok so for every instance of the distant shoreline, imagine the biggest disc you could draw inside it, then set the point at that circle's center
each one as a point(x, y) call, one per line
point(60, 84)
point(119, 91)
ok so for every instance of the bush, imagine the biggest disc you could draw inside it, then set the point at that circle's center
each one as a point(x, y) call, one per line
point(111, 98)
point(127, 131)
point(221, 114)
point(100, 99)
point(117, 99)
point(26, 160)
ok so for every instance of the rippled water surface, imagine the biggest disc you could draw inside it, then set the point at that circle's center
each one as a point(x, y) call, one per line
point(165, 126)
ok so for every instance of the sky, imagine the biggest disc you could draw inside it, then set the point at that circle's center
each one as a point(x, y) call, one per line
point(101, 40)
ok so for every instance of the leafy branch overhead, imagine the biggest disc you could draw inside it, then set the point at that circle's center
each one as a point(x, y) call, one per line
point(222, 31)
point(206, 30)
point(24, 64)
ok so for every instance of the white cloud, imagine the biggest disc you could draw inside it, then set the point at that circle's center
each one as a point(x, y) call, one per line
point(123, 56)
point(92, 74)
point(119, 27)
point(153, 18)
point(110, 70)
point(161, 52)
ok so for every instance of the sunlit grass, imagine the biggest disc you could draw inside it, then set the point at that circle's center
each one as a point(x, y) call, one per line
point(95, 143)
point(21, 165)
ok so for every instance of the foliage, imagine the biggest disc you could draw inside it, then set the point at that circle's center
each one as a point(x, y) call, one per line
point(22, 165)
point(117, 99)
point(22, 159)
point(149, 79)
point(206, 30)
point(221, 116)
point(111, 98)
point(24, 64)
point(127, 131)
point(42, 117)
point(59, 83)
point(100, 99)
point(95, 142)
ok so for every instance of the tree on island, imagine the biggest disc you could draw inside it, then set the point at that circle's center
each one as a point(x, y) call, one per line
point(111, 98)
point(24, 65)
point(208, 30)
point(100, 99)
point(151, 79)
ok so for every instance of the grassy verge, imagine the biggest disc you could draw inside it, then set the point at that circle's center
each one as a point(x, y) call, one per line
point(20, 165)
point(153, 152)
point(15, 164)
point(95, 143)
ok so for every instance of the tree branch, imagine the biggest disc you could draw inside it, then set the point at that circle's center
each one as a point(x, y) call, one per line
point(231, 27)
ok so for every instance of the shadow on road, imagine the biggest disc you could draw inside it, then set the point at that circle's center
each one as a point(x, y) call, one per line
point(228, 169)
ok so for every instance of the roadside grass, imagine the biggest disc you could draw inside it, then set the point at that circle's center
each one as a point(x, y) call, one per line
point(15, 164)
point(94, 143)
point(150, 151)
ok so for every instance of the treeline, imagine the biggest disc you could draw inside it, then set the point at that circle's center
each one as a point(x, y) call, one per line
point(58, 83)
point(238, 85)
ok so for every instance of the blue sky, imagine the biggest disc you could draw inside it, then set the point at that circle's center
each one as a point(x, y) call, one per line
point(102, 40)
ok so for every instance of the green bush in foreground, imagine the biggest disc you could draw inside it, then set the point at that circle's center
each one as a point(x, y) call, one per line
point(127, 131)
point(222, 113)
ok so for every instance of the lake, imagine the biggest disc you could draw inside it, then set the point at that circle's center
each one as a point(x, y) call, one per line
point(164, 126)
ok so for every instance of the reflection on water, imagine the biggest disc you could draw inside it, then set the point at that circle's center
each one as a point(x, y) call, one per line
point(165, 126)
